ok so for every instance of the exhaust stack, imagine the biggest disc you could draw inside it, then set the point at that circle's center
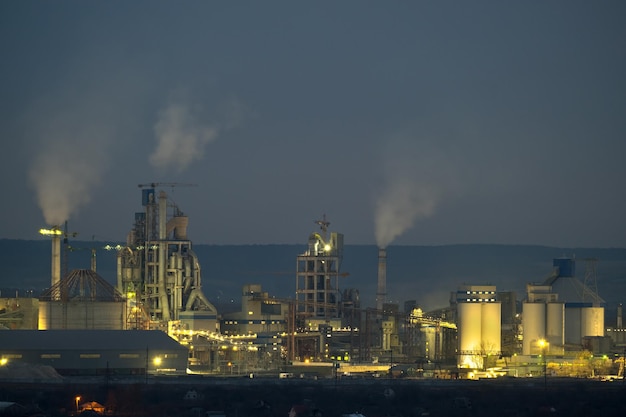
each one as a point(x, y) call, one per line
point(56, 260)
point(381, 294)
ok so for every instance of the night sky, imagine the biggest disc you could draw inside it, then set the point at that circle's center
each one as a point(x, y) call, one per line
point(405, 122)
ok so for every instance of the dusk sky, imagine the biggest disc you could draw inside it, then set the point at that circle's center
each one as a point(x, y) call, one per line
point(405, 122)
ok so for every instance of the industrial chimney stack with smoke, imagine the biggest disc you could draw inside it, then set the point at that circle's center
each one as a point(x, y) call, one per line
point(381, 294)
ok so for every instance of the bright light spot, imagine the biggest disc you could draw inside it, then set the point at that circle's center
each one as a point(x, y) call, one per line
point(157, 361)
point(327, 247)
point(50, 232)
point(3, 361)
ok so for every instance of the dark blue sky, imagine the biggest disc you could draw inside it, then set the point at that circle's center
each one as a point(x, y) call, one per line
point(406, 122)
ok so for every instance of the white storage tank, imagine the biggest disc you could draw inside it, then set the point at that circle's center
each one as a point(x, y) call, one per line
point(491, 327)
point(469, 325)
point(555, 326)
point(82, 300)
point(534, 326)
point(592, 321)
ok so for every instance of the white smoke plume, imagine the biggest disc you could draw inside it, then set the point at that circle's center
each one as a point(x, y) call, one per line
point(181, 139)
point(400, 205)
point(418, 176)
point(63, 175)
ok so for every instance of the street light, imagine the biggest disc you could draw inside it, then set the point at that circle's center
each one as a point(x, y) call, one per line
point(77, 401)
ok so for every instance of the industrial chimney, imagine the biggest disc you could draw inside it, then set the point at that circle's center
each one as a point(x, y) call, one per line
point(381, 294)
point(56, 259)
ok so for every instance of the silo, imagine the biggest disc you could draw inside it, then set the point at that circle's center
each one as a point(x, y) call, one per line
point(82, 300)
point(534, 325)
point(572, 324)
point(555, 325)
point(469, 330)
point(592, 321)
point(491, 332)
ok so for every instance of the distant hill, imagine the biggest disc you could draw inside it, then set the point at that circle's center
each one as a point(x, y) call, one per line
point(425, 273)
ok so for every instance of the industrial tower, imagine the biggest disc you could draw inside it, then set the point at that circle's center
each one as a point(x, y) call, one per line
point(159, 273)
point(317, 279)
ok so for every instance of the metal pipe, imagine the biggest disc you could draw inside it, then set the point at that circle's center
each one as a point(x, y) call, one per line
point(165, 305)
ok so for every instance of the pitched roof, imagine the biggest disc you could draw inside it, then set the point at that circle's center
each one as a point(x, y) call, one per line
point(87, 340)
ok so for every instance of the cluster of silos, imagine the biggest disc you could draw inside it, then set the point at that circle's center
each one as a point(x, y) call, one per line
point(561, 311)
point(479, 325)
point(543, 322)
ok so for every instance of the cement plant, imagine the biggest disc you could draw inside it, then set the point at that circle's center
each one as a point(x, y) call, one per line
point(156, 322)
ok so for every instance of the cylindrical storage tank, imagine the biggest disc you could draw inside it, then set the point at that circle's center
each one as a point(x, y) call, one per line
point(82, 315)
point(534, 326)
point(491, 328)
point(555, 326)
point(592, 321)
point(469, 330)
point(572, 325)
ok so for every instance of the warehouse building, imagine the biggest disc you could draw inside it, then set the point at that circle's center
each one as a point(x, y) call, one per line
point(95, 352)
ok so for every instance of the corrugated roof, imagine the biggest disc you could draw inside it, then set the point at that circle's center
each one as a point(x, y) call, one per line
point(86, 340)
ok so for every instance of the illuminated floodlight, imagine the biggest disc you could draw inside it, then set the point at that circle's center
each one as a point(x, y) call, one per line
point(157, 361)
point(3, 361)
point(327, 247)
point(51, 232)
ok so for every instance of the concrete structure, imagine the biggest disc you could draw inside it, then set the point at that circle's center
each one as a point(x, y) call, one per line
point(158, 272)
point(479, 325)
point(19, 313)
point(82, 300)
point(561, 311)
point(381, 292)
point(260, 314)
point(95, 352)
point(317, 280)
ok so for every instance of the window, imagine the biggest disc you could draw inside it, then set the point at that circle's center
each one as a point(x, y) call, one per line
point(50, 355)
point(129, 355)
point(12, 356)
point(89, 355)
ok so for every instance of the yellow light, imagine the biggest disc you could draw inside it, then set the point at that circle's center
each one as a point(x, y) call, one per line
point(157, 361)
point(50, 232)
point(327, 247)
point(3, 361)
point(542, 343)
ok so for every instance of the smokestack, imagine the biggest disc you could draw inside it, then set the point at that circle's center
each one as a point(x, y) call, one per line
point(381, 294)
point(619, 316)
point(56, 259)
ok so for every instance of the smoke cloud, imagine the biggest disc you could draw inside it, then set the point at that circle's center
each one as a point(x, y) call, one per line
point(402, 203)
point(417, 176)
point(63, 175)
point(181, 139)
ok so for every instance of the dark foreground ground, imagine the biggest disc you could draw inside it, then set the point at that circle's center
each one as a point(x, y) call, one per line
point(371, 398)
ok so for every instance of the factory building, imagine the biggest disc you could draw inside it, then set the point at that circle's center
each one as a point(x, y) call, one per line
point(158, 271)
point(561, 312)
point(260, 314)
point(19, 313)
point(95, 352)
point(479, 325)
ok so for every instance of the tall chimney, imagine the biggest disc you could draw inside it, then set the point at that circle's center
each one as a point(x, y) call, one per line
point(619, 316)
point(56, 259)
point(381, 294)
